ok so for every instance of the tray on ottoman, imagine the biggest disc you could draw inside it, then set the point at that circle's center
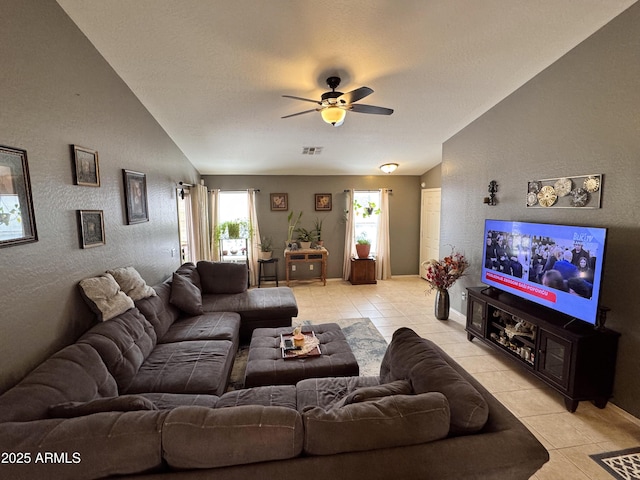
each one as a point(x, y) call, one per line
point(265, 365)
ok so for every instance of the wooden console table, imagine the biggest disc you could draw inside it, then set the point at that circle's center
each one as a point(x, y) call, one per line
point(307, 255)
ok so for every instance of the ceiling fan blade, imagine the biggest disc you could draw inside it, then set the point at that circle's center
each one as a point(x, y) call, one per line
point(355, 95)
point(358, 108)
point(303, 99)
point(302, 113)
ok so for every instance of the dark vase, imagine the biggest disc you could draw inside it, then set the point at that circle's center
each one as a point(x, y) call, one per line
point(442, 304)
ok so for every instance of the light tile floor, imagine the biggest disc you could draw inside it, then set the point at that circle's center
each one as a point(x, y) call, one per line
point(402, 301)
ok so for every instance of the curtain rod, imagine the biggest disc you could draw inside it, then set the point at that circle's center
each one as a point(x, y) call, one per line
point(183, 184)
point(243, 190)
point(370, 191)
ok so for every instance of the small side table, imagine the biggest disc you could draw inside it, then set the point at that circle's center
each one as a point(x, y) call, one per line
point(262, 276)
point(363, 271)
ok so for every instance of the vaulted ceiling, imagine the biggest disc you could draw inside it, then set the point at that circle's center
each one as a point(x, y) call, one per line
point(213, 72)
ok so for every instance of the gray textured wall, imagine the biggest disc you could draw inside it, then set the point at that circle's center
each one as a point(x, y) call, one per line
point(579, 116)
point(56, 90)
point(404, 215)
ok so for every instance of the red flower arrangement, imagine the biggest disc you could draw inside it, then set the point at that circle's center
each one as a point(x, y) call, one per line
point(442, 274)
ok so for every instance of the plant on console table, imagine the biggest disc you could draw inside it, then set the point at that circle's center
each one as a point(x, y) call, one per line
point(292, 226)
point(305, 237)
point(441, 275)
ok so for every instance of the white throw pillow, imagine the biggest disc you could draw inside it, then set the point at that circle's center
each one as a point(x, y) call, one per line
point(131, 283)
point(104, 296)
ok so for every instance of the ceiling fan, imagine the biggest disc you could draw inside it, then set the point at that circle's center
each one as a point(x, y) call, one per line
point(333, 105)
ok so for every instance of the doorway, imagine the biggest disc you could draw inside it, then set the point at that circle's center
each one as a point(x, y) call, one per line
point(429, 226)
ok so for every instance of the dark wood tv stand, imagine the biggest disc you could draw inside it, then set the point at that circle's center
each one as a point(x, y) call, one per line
point(573, 357)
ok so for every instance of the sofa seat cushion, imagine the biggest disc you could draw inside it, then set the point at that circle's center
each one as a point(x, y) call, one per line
point(210, 326)
point(269, 396)
point(169, 401)
point(255, 304)
point(122, 403)
point(158, 311)
point(123, 343)
point(96, 446)
point(392, 421)
point(201, 366)
point(422, 362)
point(75, 373)
point(197, 437)
point(327, 392)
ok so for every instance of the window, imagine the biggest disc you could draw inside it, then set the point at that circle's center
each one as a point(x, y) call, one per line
point(233, 207)
point(366, 207)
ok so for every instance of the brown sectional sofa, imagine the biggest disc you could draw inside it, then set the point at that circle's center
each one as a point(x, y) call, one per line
point(142, 395)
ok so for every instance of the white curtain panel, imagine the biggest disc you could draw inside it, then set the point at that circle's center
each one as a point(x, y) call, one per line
point(200, 223)
point(253, 251)
point(213, 221)
point(349, 245)
point(188, 213)
point(383, 254)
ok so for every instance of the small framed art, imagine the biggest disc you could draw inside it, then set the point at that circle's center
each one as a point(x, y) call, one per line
point(135, 194)
point(86, 166)
point(323, 202)
point(91, 228)
point(279, 202)
point(17, 219)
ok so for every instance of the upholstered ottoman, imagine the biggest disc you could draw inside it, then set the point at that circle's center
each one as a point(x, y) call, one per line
point(265, 365)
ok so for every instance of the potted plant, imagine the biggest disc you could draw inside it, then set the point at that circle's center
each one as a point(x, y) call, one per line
point(318, 231)
point(266, 248)
point(363, 246)
point(305, 237)
point(366, 211)
point(292, 226)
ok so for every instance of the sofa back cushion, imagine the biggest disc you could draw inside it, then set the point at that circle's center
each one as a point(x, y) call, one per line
point(189, 271)
point(422, 362)
point(122, 403)
point(158, 310)
point(392, 421)
point(199, 437)
point(223, 277)
point(74, 374)
point(123, 343)
point(96, 446)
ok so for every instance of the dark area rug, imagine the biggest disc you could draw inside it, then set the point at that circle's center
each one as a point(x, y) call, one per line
point(366, 342)
point(621, 464)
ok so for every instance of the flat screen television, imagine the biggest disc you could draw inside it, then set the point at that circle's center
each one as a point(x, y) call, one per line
point(557, 266)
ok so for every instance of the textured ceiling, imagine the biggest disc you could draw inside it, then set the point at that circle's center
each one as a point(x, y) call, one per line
point(213, 72)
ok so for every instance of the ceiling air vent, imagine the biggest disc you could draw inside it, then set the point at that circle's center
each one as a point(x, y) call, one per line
point(311, 150)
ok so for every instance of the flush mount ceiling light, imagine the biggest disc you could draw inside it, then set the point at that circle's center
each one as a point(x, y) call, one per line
point(389, 167)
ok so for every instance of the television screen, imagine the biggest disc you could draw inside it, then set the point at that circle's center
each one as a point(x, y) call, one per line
point(558, 266)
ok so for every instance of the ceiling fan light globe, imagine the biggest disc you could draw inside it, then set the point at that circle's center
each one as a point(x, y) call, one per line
point(333, 115)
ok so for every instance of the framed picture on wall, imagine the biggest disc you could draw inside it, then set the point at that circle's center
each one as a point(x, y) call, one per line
point(135, 194)
point(279, 202)
point(17, 220)
point(87, 170)
point(323, 202)
point(91, 224)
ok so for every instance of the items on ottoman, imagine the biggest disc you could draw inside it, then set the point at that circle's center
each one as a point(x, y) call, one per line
point(266, 365)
